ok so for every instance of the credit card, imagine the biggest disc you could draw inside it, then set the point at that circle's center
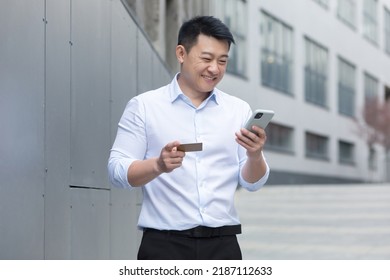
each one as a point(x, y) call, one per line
point(190, 147)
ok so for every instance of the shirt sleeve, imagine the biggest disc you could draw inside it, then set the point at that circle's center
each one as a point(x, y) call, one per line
point(256, 185)
point(242, 155)
point(129, 145)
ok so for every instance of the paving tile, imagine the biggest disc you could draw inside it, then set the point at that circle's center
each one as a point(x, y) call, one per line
point(317, 222)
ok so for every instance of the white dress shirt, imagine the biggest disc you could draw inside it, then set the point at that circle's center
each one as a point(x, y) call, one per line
point(201, 191)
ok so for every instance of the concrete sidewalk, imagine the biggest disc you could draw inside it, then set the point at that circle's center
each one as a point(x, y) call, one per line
point(319, 222)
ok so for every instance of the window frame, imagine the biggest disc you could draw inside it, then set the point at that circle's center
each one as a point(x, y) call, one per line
point(386, 30)
point(370, 21)
point(346, 88)
point(316, 73)
point(276, 53)
point(318, 148)
point(347, 12)
point(237, 63)
point(280, 138)
point(347, 152)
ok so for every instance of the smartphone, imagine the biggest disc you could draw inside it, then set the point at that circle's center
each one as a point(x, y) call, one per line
point(259, 118)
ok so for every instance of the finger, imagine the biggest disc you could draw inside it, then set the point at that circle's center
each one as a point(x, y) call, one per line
point(247, 136)
point(250, 144)
point(173, 155)
point(170, 146)
point(244, 140)
point(259, 135)
point(258, 131)
point(175, 162)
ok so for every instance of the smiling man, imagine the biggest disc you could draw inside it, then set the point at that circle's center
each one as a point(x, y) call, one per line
point(188, 193)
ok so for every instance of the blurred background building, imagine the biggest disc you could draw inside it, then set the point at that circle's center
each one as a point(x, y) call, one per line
point(314, 62)
point(68, 68)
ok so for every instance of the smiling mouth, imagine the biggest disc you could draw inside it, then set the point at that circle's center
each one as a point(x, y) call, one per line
point(209, 78)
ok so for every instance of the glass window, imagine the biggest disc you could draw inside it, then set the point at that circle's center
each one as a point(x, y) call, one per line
point(387, 31)
point(387, 94)
point(370, 86)
point(276, 54)
point(371, 101)
point(316, 146)
point(316, 73)
point(346, 12)
point(346, 88)
point(279, 138)
point(346, 152)
point(372, 159)
point(324, 3)
point(370, 20)
point(235, 17)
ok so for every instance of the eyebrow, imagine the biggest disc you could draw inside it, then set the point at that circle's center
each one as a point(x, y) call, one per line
point(211, 54)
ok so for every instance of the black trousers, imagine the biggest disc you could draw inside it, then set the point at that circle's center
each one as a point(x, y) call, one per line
point(171, 245)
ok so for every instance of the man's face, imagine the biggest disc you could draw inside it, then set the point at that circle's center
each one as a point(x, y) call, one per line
point(204, 66)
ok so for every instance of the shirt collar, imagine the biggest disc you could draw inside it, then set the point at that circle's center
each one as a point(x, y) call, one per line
point(176, 93)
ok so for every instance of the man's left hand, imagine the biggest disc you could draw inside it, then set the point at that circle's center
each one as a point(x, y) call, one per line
point(252, 142)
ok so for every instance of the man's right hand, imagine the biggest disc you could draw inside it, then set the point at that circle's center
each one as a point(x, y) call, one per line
point(170, 158)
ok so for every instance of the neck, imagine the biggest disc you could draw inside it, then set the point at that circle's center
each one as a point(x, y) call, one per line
point(196, 97)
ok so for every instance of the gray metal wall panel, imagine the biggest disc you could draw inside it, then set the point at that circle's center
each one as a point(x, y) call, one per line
point(144, 64)
point(90, 115)
point(124, 210)
point(59, 109)
point(123, 63)
point(90, 227)
point(21, 125)
point(123, 219)
point(57, 137)
point(160, 75)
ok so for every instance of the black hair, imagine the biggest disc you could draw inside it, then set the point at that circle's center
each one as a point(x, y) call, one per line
point(206, 25)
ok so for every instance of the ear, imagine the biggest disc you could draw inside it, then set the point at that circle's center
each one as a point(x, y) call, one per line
point(180, 53)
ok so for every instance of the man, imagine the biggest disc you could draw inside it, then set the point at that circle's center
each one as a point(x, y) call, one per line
point(188, 197)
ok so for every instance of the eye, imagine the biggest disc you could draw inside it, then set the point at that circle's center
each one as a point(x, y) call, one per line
point(222, 62)
point(206, 59)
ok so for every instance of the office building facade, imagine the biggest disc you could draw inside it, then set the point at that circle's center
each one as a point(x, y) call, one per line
point(315, 63)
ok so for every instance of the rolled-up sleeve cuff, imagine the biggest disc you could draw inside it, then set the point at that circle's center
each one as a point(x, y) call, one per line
point(117, 170)
point(256, 185)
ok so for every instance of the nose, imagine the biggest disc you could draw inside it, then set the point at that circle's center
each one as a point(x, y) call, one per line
point(213, 67)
